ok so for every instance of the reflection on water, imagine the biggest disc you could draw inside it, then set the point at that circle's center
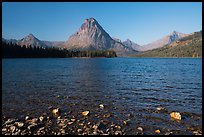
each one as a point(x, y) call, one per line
point(123, 85)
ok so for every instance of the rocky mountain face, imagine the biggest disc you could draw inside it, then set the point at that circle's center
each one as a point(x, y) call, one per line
point(31, 40)
point(91, 36)
point(133, 45)
point(164, 41)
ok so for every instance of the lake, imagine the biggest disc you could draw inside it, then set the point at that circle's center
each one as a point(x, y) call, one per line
point(130, 89)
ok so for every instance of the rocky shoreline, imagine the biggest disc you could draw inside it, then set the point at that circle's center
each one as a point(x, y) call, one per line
point(55, 124)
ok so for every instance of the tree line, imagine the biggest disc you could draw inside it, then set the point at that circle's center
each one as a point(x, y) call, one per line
point(10, 50)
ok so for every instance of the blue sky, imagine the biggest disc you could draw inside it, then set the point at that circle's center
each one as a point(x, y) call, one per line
point(141, 22)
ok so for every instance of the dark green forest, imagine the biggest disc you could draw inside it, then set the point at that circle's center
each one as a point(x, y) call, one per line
point(190, 46)
point(10, 50)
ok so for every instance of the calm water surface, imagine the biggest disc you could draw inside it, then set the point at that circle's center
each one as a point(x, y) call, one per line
point(135, 86)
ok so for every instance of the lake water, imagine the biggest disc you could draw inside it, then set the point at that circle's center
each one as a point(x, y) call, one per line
point(125, 86)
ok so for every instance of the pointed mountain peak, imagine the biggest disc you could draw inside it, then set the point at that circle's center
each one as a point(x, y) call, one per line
point(30, 37)
point(30, 34)
point(175, 33)
point(90, 23)
point(89, 20)
point(91, 36)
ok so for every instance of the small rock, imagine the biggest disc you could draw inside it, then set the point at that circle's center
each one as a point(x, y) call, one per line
point(27, 117)
point(59, 117)
point(79, 130)
point(41, 118)
point(4, 129)
point(118, 133)
point(73, 119)
point(34, 120)
point(101, 106)
point(12, 128)
point(69, 123)
point(95, 133)
point(42, 128)
point(197, 133)
point(32, 127)
point(58, 96)
point(95, 127)
point(106, 115)
point(126, 122)
point(63, 132)
point(140, 129)
point(160, 108)
point(118, 127)
point(19, 124)
point(81, 124)
point(157, 131)
point(168, 133)
point(85, 113)
point(56, 111)
point(175, 115)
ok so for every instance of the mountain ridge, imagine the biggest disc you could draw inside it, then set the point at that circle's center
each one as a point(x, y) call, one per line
point(188, 46)
point(92, 36)
point(164, 40)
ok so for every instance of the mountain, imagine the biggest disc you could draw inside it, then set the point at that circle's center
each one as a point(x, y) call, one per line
point(164, 41)
point(31, 40)
point(91, 36)
point(188, 46)
point(13, 41)
point(131, 44)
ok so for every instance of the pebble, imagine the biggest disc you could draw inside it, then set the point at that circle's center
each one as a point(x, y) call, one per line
point(118, 133)
point(101, 106)
point(34, 120)
point(160, 108)
point(79, 130)
point(197, 132)
point(69, 123)
point(73, 120)
point(27, 117)
point(95, 127)
point(32, 127)
point(85, 113)
point(12, 128)
point(4, 129)
point(56, 111)
point(19, 124)
point(157, 131)
point(106, 115)
point(175, 115)
point(140, 129)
